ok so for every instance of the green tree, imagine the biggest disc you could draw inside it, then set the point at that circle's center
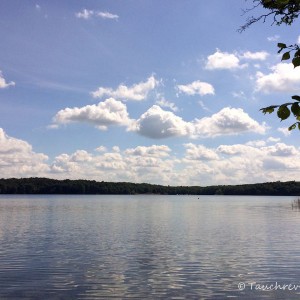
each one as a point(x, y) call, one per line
point(281, 12)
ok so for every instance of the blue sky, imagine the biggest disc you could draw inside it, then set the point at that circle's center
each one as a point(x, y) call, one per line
point(153, 91)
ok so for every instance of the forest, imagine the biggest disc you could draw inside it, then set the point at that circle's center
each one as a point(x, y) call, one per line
point(89, 187)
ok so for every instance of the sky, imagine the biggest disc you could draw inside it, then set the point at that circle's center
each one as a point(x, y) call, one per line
point(164, 92)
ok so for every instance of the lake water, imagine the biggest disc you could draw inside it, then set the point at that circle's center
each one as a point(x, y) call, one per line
point(149, 247)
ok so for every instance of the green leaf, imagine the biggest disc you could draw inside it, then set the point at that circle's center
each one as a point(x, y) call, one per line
point(281, 45)
point(295, 109)
point(296, 97)
point(292, 127)
point(286, 56)
point(297, 53)
point(283, 112)
point(296, 62)
point(268, 109)
point(282, 2)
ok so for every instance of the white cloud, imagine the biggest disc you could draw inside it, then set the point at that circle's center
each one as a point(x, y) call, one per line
point(239, 163)
point(273, 139)
point(228, 121)
point(261, 55)
point(223, 60)
point(17, 159)
point(87, 14)
point(240, 95)
point(136, 92)
point(80, 156)
point(283, 78)
point(109, 112)
point(157, 123)
point(273, 38)
point(281, 149)
point(153, 151)
point(257, 143)
point(3, 83)
point(107, 15)
point(140, 164)
point(164, 103)
point(199, 152)
point(196, 88)
point(203, 106)
point(284, 131)
point(101, 149)
point(116, 149)
point(225, 164)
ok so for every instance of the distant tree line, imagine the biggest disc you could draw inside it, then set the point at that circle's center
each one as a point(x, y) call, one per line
point(90, 187)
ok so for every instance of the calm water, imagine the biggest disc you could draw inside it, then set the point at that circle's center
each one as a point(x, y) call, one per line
point(148, 247)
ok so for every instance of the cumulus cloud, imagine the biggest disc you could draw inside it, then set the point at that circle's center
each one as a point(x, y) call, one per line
point(140, 164)
point(283, 78)
point(196, 88)
point(261, 55)
point(104, 114)
point(87, 14)
point(237, 149)
point(157, 123)
point(153, 151)
point(281, 149)
point(226, 164)
point(199, 152)
point(240, 163)
point(3, 83)
point(101, 149)
point(199, 164)
point(17, 159)
point(223, 60)
point(136, 92)
point(228, 121)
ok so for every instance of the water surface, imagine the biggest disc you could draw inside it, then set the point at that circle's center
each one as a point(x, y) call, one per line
point(148, 247)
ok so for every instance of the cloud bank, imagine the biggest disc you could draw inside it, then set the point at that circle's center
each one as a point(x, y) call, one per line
point(257, 161)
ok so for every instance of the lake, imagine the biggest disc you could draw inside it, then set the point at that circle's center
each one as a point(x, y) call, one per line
point(148, 247)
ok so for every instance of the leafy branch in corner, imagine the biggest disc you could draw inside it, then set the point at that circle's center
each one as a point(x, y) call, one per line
point(284, 111)
point(283, 12)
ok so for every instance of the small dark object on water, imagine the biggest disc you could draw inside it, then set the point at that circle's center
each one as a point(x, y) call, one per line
point(296, 204)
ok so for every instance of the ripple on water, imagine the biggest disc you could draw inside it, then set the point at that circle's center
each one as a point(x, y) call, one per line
point(62, 247)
